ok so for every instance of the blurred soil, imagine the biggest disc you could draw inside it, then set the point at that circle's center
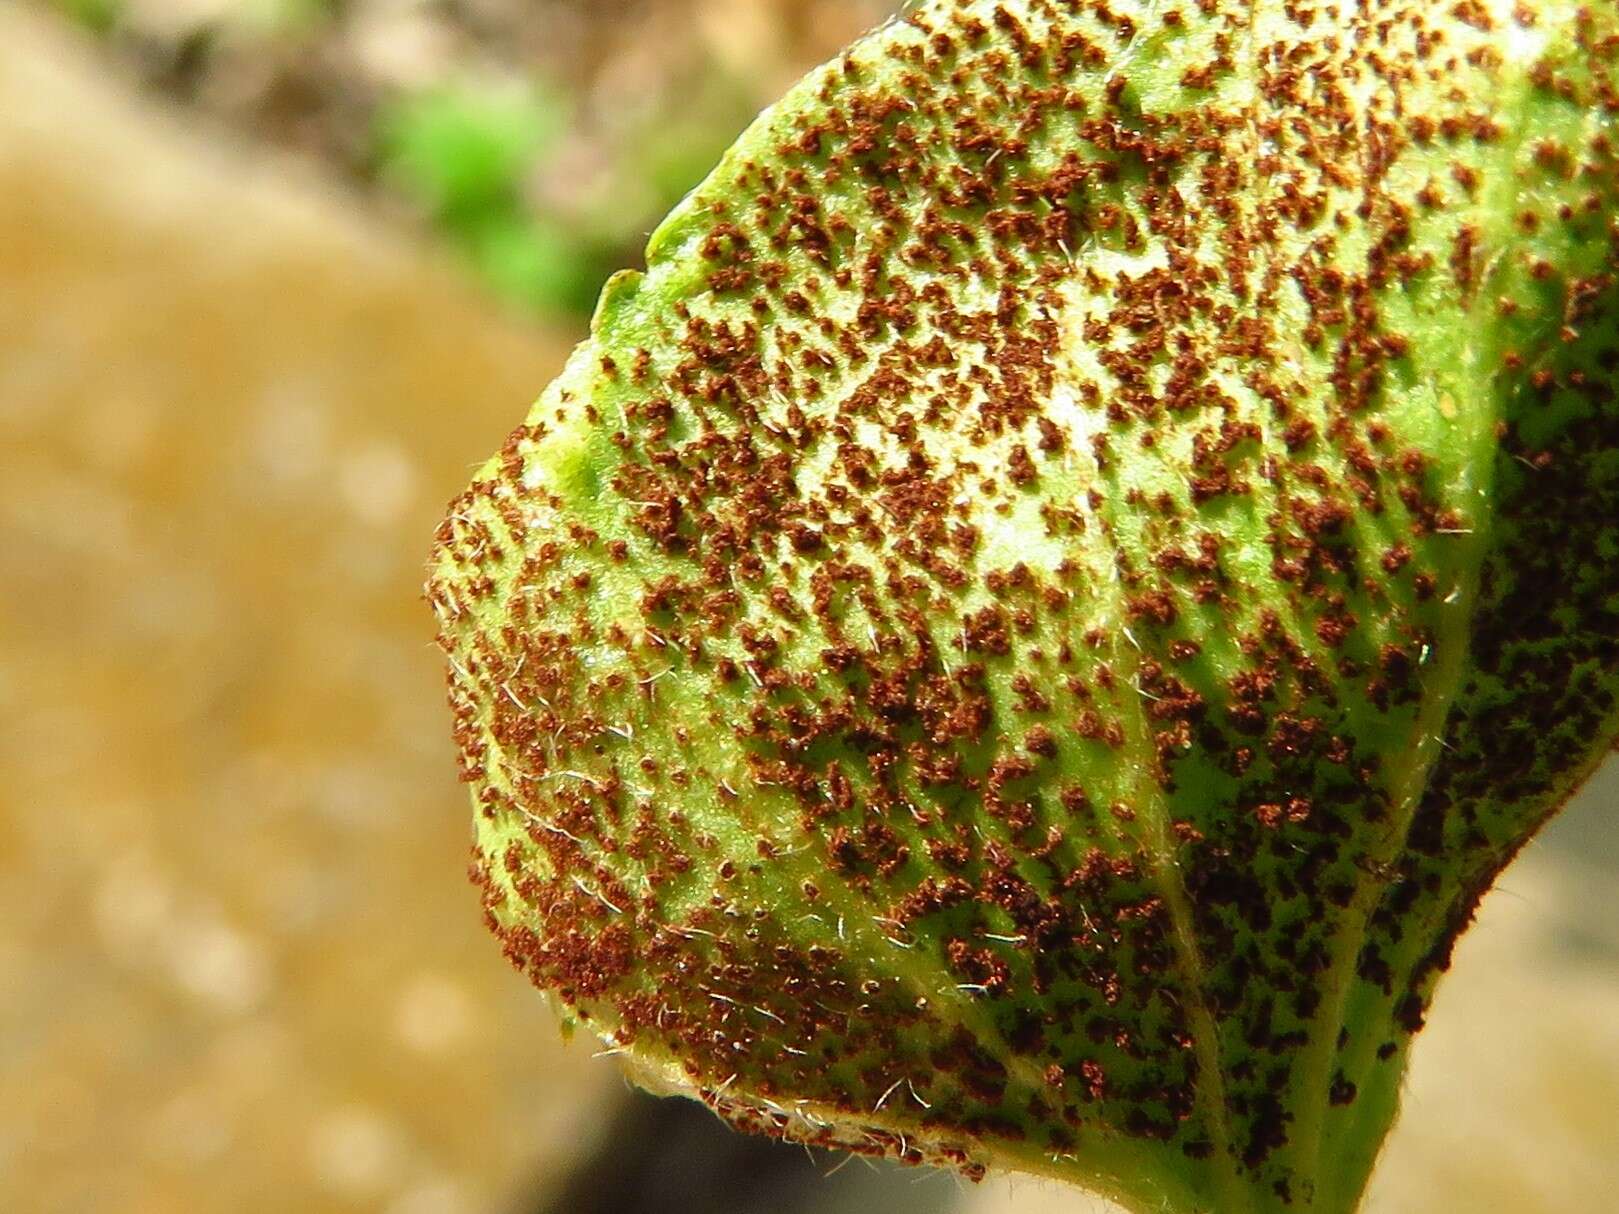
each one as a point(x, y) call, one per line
point(240, 967)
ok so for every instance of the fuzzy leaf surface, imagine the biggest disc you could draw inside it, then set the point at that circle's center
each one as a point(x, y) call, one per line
point(1022, 637)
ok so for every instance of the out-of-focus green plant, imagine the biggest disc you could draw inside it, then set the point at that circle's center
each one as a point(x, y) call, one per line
point(96, 15)
point(464, 153)
point(286, 16)
point(463, 150)
point(468, 154)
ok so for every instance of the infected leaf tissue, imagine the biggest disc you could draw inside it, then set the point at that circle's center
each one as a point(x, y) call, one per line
point(1022, 637)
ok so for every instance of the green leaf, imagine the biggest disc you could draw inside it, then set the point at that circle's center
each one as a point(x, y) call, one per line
point(538, 263)
point(97, 16)
point(463, 151)
point(1024, 635)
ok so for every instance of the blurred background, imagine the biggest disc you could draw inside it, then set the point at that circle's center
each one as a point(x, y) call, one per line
point(275, 275)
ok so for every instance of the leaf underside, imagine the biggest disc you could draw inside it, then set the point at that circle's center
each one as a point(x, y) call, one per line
point(1022, 638)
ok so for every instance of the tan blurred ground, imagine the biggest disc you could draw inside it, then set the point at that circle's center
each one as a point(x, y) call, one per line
point(239, 969)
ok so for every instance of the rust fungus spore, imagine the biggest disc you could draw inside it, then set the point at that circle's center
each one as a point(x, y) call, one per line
point(1023, 636)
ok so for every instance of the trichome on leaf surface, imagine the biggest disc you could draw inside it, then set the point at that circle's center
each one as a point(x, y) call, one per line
point(1023, 636)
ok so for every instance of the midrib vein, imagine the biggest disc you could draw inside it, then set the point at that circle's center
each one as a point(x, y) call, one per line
point(1152, 807)
point(1453, 645)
